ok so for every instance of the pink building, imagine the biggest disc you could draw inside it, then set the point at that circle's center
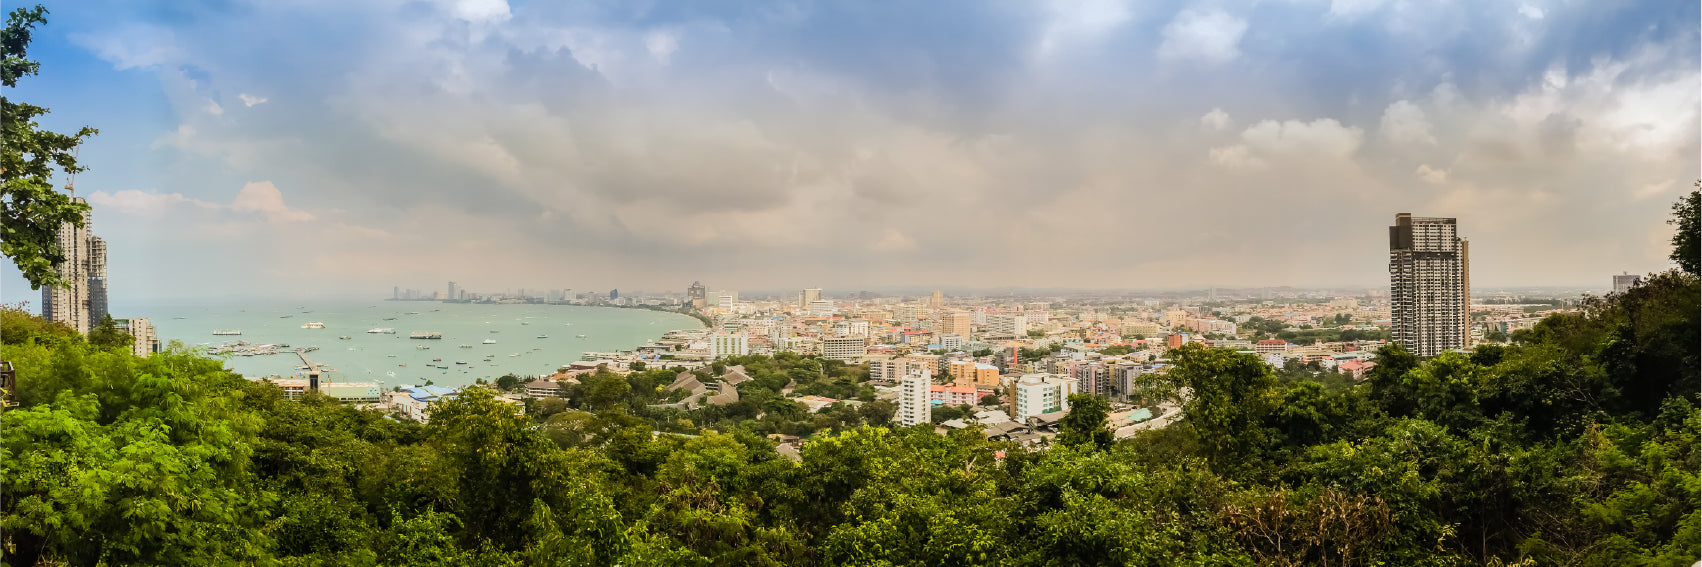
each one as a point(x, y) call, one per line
point(1356, 367)
point(954, 395)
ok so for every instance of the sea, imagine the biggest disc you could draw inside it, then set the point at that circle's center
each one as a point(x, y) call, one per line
point(530, 339)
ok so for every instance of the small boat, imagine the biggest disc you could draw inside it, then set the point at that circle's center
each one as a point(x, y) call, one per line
point(226, 332)
point(389, 318)
point(422, 347)
point(404, 365)
point(313, 325)
point(285, 316)
point(460, 362)
point(384, 330)
point(545, 336)
point(466, 346)
point(345, 337)
point(490, 341)
point(437, 360)
point(582, 336)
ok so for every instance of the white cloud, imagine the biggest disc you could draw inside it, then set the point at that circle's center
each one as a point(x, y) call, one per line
point(1653, 190)
point(1405, 123)
point(251, 100)
point(213, 108)
point(1208, 37)
point(1076, 21)
point(482, 11)
point(1237, 156)
point(894, 240)
point(661, 44)
point(1436, 176)
point(1530, 11)
point(1322, 137)
point(131, 201)
point(1217, 119)
point(264, 198)
point(1349, 9)
point(132, 46)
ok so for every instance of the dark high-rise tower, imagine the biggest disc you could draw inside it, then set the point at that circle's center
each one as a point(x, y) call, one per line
point(82, 304)
point(1429, 285)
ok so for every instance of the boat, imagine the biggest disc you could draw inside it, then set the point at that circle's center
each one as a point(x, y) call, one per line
point(285, 316)
point(313, 325)
point(544, 336)
point(227, 332)
point(422, 347)
point(460, 362)
point(490, 341)
point(345, 337)
point(404, 365)
point(466, 346)
point(437, 360)
point(413, 313)
point(583, 337)
point(385, 330)
point(389, 318)
point(425, 335)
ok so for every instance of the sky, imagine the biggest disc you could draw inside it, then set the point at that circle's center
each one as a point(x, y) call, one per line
point(330, 147)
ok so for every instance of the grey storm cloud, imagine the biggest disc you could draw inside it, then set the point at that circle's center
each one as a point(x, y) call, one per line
point(973, 144)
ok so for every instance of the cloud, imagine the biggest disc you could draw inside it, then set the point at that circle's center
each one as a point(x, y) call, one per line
point(1349, 9)
point(1209, 37)
point(1429, 175)
point(213, 108)
point(131, 201)
point(661, 44)
point(249, 100)
point(894, 240)
point(1237, 156)
point(264, 198)
point(1405, 123)
point(1217, 119)
point(1323, 137)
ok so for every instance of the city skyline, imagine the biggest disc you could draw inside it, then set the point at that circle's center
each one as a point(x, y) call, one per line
point(1086, 146)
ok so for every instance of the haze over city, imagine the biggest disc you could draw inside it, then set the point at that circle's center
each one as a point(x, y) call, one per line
point(330, 148)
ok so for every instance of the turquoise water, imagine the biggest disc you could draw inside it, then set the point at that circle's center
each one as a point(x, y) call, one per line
point(367, 357)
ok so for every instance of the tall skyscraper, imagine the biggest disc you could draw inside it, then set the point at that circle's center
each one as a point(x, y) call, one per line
point(697, 295)
point(1624, 283)
point(808, 296)
point(82, 304)
point(451, 295)
point(1429, 285)
point(937, 300)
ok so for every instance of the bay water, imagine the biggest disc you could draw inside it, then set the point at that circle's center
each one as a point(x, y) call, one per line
point(529, 339)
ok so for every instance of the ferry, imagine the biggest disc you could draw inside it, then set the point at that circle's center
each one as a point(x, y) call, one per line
point(313, 325)
point(227, 332)
point(385, 330)
point(490, 341)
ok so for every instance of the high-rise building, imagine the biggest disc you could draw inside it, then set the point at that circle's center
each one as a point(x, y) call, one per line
point(1035, 394)
point(147, 340)
point(724, 344)
point(915, 405)
point(843, 348)
point(808, 296)
point(1007, 325)
point(1429, 285)
point(451, 295)
point(81, 304)
point(954, 323)
point(1624, 283)
point(697, 295)
point(614, 294)
point(937, 300)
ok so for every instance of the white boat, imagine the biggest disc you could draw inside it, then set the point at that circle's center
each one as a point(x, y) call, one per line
point(581, 336)
point(223, 332)
point(313, 325)
point(490, 341)
point(385, 330)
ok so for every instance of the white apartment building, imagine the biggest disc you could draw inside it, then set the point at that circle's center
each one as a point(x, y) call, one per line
point(1007, 324)
point(951, 342)
point(723, 344)
point(858, 327)
point(843, 348)
point(147, 340)
point(802, 345)
point(914, 399)
point(726, 299)
point(1035, 394)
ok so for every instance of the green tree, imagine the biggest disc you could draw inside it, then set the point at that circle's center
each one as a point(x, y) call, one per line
point(31, 211)
point(507, 382)
point(106, 334)
point(1084, 425)
point(1685, 215)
